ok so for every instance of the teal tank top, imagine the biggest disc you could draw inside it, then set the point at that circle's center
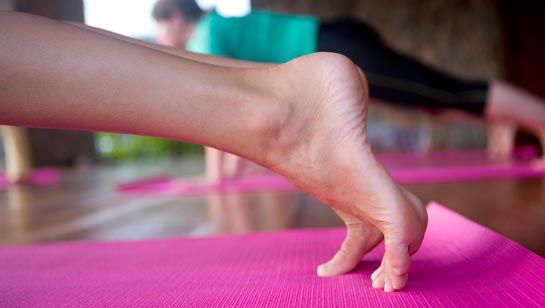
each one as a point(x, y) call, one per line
point(259, 36)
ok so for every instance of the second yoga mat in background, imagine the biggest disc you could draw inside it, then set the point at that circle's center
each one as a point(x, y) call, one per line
point(444, 166)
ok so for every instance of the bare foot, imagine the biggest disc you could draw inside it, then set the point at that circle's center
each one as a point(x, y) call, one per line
point(321, 148)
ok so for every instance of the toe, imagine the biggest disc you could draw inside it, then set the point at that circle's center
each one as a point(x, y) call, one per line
point(376, 273)
point(360, 239)
point(392, 275)
point(399, 281)
point(398, 257)
point(378, 283)
point(378, 276)
point(396, 264)
point(387, 283)
point(345, 260)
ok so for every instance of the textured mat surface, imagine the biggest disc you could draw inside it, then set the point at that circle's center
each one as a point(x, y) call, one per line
point(460, 264)
point(38, 177)
point(405, 168)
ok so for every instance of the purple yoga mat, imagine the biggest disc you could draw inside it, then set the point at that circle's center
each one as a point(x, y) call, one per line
point(460, 264)
point(39, 177)
point(441, 166)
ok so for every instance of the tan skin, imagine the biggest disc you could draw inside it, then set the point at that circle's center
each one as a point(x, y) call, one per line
point(304, 120)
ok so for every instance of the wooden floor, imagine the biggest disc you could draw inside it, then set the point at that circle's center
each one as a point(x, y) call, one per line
point(85, 207)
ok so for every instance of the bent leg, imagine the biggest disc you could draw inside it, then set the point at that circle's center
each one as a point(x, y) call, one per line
point(399, 79)
point(396, 78)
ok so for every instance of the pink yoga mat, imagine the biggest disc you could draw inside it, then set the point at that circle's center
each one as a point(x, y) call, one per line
point(460, 264)
point(441, 166)
point(39, 177)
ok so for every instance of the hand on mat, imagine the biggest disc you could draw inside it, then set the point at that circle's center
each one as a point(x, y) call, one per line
point(501, 140)
point(321, 147)
point(507, 103)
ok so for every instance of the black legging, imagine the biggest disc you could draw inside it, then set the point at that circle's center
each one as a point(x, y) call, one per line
point(396, 78)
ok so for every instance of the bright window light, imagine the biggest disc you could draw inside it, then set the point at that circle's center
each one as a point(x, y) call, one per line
point(126, 17)
point(133, 17)
point(227, 8)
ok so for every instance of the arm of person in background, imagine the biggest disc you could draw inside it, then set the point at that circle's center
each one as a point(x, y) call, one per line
point(510, 108)
point(304, 120)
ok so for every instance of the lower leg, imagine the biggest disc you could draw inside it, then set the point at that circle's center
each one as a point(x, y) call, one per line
point(100, 83)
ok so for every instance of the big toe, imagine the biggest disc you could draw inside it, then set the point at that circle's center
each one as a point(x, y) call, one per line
point(356, 244)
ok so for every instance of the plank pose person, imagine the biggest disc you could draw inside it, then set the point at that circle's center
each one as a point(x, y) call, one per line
point(394, 78)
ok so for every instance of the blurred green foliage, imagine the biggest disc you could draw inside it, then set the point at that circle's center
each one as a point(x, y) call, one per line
point(117, 147)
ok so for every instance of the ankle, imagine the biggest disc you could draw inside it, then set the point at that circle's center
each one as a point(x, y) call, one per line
point(273, 116)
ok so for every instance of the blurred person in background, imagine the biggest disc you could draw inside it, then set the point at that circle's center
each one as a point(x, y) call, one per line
point(394, 78)
point(177, 20)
